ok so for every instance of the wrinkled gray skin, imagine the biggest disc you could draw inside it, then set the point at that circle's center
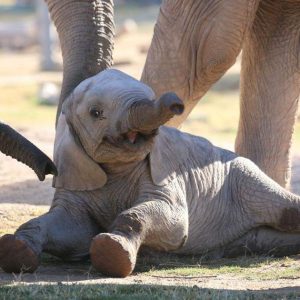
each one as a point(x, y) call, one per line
point(164, 189)
point(17, 146)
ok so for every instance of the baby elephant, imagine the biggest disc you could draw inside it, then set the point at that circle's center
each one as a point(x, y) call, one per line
point(125, 181)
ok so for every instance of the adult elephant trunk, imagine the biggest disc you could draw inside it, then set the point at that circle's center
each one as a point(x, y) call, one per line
point(147, 115)
point(18, 147)
point(85, 29)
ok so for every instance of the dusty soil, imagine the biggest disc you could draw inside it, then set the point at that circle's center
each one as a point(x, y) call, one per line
point(81, 274)
point(23, 197)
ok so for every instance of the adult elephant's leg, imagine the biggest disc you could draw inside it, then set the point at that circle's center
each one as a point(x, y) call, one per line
point(156, 224)
point(263, 241)
point(194, 43)
point(270, 87)
point(65, 231)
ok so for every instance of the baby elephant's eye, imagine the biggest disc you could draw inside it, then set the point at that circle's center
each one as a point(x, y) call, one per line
point(96, 113)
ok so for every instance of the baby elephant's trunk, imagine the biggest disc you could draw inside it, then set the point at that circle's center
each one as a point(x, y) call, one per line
point(147, 115)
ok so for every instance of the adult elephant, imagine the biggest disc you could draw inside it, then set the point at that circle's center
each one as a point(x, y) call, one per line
point(195, 42)
point(15, 145)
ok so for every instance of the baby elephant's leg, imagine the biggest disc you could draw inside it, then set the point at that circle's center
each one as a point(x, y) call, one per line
point(264, 241)
point(61, 232)
point(262, 201)
point(153, 223)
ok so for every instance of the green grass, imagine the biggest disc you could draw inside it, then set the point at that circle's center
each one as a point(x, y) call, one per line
point(256, 268)
point(132, 292)
point(250, 267)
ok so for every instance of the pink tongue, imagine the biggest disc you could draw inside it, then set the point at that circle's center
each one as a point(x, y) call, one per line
point(132, 136)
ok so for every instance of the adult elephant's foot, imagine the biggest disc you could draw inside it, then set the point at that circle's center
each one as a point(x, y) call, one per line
point(113, 254)
point(16, 256)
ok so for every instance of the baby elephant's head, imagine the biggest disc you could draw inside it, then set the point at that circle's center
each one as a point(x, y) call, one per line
point(111, 118)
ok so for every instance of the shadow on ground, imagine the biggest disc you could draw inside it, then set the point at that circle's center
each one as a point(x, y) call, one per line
point(149, 264)
point(157, 276)
point(53, 269)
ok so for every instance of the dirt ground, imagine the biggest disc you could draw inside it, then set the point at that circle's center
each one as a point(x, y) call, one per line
point(68, 274)
point(23, 197)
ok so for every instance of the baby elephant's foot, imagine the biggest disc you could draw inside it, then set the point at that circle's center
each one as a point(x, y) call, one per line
point(113, 254)
point(16, 256)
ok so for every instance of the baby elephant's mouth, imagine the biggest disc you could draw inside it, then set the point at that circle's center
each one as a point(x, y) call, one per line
point(137, 138)
point(132, 140)
point(131, 136)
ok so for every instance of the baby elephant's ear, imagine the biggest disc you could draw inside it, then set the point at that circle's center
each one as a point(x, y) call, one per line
point(76, 170)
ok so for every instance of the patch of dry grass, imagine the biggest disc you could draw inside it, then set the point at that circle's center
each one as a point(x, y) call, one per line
point(13, 215)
